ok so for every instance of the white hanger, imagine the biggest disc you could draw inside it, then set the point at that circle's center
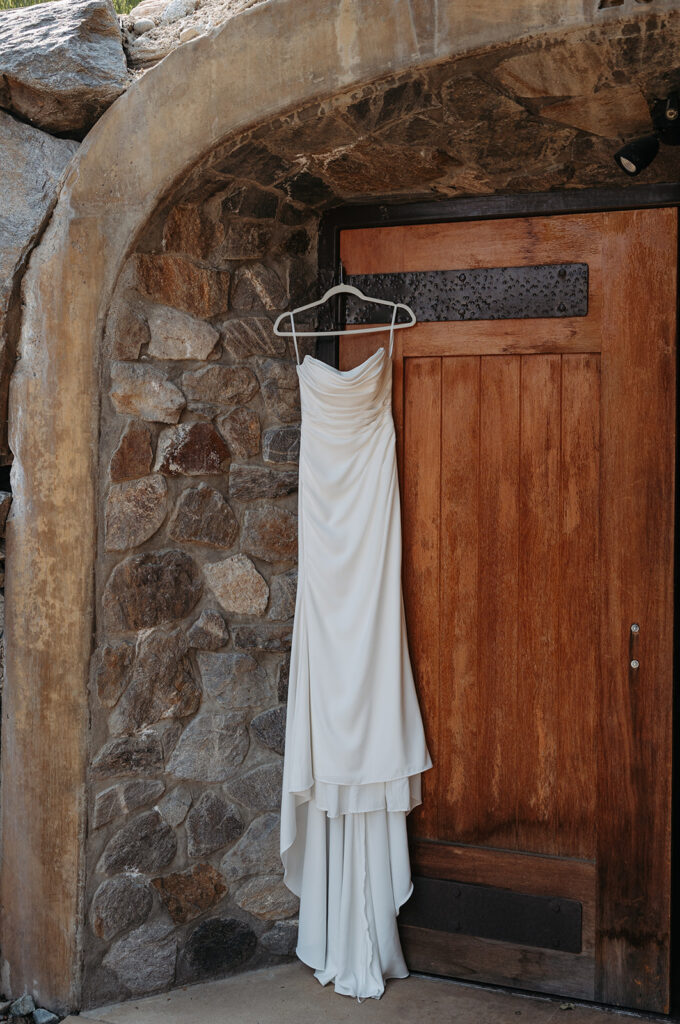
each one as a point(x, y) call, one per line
point(344, 289)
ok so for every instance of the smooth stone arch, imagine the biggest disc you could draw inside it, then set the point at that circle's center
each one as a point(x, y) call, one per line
point(272, 58)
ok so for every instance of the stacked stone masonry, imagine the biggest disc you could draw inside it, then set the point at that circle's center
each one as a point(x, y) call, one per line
point(197, 586)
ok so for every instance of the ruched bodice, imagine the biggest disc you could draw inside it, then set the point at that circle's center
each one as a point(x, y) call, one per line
point(346, 402)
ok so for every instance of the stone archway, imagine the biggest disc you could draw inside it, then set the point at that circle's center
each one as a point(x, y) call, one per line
point(245, 92)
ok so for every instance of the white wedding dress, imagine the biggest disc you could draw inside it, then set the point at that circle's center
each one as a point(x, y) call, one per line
point(355, 744)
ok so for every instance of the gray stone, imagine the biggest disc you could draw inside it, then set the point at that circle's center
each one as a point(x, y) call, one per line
point(270, 728)
point(283, 591)
point(237, 585)
point(186, 894)
point(251, 336)
point(282, 677)
point(209, 632)
point(132, 458)
point(176, 335)
point(22, 1006)
point(129, 755)
point(42, 1016)
point(123, 798)
point(247, 483)
point(202, 516)
point(258, 789)
point(192, 449)
point(150, 589)
point(112, 672)
point(257, 287)
point(281, 445)
point(246, 240)
point(177, 9)
point(211, 823)
point(282, 938)
point(210, 747)
point(221, 385)
point(162, 683)
point(144, 960)
point(175, 804)
point(135, 510)
point(146, 843)
point(249, 200)
point(280, 389)
point(263, 637)
point(216, 946)
point(267, 897)
point(234, 679)
point(61, 64)
point(271, 533)
point(143, 391)
point(119, 903)
point(240, 428)
point(143, 25)
point(257, 852)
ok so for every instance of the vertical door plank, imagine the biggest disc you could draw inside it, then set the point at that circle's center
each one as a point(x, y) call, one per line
point(575, 719)
point(537, 693)
point(497, 575)
point(459, 685)
point(637, 519)
point(420, 512)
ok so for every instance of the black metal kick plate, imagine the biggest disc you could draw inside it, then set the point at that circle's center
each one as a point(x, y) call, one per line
point(491, 913)
point(482, 293)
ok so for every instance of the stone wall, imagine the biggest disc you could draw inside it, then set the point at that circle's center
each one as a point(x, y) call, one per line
point(196, 594)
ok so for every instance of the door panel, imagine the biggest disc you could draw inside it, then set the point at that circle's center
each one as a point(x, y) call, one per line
point(536, 466)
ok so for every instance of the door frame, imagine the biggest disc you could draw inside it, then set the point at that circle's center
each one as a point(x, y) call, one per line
point(596, 200)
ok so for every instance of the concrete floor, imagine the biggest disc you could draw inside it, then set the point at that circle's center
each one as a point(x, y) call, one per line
point(290, 994)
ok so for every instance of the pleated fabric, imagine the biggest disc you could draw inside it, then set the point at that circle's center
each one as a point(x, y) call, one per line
point(355, 744)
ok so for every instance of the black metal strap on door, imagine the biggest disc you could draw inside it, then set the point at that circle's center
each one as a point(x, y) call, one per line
point(480, 293)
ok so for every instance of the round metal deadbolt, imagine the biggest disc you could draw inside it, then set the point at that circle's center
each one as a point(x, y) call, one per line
point(635, 628)
point(635, 663)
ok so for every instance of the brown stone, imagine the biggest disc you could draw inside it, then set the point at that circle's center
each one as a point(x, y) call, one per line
point(162, 683)
point(134, 511)
point(262, 637)
point(249, 200)
point(222, 385)
point(270, 532)
point(202, 516)
point(192, 449)
point(240, 428)
point(128, 332)
point(209, 632)
point(145, 392)
point(191, 230)
point(174, 280)
point(129, 755)
point(281, 445)
point(177, 335)
point(249, 482)
point(251, 336)
point(258, 287)
point(186, 894)
point(149, 589)
point(237, 585)
point(267, 897)
point(280, 389)
point(5, 505)
point(112, 674)
point(282, 679)
point(132, 458)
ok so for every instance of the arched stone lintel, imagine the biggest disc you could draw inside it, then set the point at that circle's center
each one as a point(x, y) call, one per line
point(271, 58)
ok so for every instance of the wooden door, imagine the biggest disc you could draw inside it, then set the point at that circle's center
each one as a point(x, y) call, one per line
point(536, 463)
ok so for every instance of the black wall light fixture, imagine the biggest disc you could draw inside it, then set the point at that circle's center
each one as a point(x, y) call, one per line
point(639, 153)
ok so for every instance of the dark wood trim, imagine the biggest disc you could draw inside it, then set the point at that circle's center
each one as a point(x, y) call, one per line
point(566, 201)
